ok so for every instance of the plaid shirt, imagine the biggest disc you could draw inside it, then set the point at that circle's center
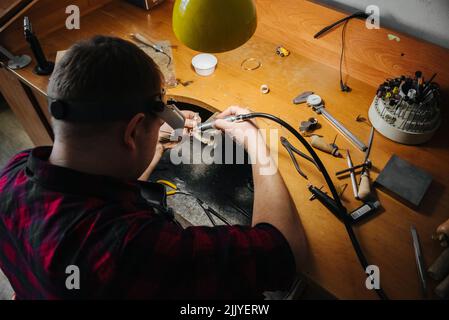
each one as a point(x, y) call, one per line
point(52, 217)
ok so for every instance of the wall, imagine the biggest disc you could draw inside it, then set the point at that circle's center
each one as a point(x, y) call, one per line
point(424, 19)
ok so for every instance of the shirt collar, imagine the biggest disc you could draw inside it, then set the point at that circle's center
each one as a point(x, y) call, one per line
point(66, 180)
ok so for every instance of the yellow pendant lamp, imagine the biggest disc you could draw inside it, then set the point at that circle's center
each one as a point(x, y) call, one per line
point(214, 25)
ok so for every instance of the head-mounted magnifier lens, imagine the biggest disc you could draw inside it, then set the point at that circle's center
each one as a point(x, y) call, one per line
point(85, 111)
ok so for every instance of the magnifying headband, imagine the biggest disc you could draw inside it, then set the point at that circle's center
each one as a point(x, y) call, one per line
point(86, 111)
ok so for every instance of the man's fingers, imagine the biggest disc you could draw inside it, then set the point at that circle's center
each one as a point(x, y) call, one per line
point(192, 118)
point(190, 123)
point(189, 114)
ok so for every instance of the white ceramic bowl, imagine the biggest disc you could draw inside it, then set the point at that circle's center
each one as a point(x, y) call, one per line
point(204, 64)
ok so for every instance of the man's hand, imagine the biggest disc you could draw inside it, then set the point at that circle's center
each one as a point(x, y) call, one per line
point(192, 119)
point(242, 132)
point(164, 143)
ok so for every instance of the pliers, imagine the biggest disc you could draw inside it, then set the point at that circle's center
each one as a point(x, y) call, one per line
point(171, 185)
point(290, 149)
point(209, 212)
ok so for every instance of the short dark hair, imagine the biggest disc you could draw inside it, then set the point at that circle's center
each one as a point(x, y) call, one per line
point(101, 67)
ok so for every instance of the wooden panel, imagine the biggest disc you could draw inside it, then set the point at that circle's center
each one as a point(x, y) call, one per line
point(10, 9)
point(46, 17)
point(312, 66)
point(370, 56)
point(19, 102)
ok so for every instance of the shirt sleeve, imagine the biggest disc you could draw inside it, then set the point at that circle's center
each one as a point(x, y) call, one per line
point(221, 262)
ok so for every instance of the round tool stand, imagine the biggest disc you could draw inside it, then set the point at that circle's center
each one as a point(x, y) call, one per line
point(391, 129)
point(405, 110)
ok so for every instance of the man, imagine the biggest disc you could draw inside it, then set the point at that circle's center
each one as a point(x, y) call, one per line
point(77, 206)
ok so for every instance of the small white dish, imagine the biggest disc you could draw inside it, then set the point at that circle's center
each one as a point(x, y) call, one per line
point(204, 64)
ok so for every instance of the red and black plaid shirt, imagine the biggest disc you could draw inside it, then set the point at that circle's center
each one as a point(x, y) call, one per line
point(52, 217)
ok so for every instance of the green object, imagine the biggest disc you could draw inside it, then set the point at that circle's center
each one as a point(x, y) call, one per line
point(214, 25)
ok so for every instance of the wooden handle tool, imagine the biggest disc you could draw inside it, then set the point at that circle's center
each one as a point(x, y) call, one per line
point(364, 186)
point(319, 143)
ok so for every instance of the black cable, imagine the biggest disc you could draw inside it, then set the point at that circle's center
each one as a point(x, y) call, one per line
point(343, 212)
point(343, 85)
point(359, 14)
point(309, 148)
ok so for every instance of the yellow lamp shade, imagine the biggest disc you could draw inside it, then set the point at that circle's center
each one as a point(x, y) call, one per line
point(214, 25)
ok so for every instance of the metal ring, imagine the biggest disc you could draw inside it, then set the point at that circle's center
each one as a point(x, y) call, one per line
point(257, 66)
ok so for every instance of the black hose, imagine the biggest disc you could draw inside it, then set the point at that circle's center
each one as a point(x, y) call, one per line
point(343, 212)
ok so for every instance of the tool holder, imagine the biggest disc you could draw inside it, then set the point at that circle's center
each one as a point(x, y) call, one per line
point(405, 111)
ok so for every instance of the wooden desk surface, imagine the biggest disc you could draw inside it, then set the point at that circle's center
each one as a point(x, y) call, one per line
point(333, 265)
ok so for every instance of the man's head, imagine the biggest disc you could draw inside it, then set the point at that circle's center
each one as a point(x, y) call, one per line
point(103, 71)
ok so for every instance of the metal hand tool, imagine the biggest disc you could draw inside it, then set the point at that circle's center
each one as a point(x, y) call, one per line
point(240, 209)
point(309, 125)
point(364, 186)
point(292, 156)
point(301, 98)
point(291, 150)
point(209, 124)
point(367, 164)
point(361, 213)
point(353, 180)
point(173, 187)
point(419, 259)
point(145, 41)
point(234, 205)
point(364, 189)
point(320, 144)
point(341, 189)
point(209, 212)
point(287, 143)
point(15, 62)
point(317, 105)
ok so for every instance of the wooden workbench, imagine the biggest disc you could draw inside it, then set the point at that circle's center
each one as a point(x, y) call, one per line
point(313, 65)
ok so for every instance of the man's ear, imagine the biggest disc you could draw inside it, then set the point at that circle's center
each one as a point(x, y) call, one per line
point(132, 130)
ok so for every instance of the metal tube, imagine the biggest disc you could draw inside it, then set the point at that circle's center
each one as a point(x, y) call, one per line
point(359, 144)
point(350, 169)
point(352, 174)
